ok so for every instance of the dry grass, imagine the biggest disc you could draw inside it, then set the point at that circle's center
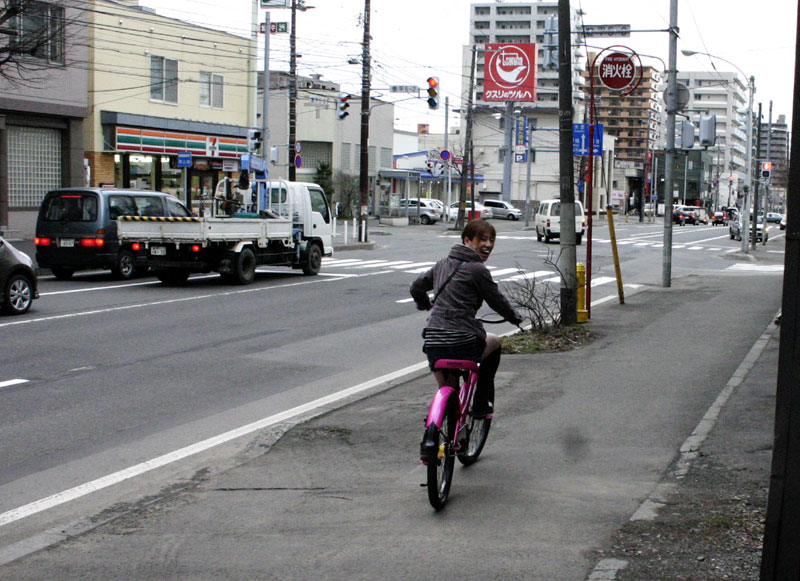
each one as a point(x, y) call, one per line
point(548, 341)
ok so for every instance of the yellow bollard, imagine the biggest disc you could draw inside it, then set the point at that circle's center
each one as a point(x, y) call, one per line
point(583, 314)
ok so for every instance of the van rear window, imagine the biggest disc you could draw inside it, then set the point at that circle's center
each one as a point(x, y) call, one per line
point(70, 207)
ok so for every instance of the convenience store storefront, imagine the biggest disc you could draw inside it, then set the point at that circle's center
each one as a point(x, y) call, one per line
point(145, 155)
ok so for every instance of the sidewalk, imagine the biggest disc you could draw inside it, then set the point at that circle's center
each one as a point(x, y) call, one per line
point(337, 496)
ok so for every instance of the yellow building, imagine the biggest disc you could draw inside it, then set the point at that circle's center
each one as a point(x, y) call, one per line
point(159, 87)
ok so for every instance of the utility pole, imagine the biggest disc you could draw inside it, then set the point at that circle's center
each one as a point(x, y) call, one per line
point(467, 160)
point(669, 161)
point(265, 100)
point(292, 92)
point(568, 259)
point(508, 121)
point(363, 178)
point(447, 162)
point(748, 180)
point(754, 225)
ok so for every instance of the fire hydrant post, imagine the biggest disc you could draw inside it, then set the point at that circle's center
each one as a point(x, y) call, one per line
point(583, 313)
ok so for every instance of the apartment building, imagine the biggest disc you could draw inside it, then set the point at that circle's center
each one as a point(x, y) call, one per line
point(774, 147)
point(43, 105)
point(635, 119)
point(725, 95)
point(519, 22)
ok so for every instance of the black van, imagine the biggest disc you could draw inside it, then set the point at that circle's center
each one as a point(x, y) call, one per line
point(77, 228)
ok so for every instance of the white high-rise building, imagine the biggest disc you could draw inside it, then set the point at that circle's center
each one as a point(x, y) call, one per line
point(725, 95)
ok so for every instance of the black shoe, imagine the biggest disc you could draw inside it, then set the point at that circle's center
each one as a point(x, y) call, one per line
point(483, 411)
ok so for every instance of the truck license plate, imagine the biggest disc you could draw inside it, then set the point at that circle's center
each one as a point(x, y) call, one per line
point(158, 250)
point(66, 243)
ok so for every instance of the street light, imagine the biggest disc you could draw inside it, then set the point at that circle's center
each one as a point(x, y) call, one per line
point(749, 162)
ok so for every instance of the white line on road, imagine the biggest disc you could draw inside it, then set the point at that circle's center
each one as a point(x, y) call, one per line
point(10, 382)
point(144, 467)
point(159, 303)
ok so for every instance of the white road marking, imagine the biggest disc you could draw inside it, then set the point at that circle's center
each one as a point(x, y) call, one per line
point(176, 455)
point(10, 382)
point(745, 267)
point(159, 303)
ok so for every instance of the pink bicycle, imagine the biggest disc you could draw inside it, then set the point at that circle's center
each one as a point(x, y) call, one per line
point(452, 430)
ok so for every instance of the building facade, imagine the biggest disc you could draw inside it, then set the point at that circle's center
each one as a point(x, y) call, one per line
point(159, 87)
point(774, 147)
point(635, 120)
point(724, 95)
point(326, 139)
point(525, 22)
point(42, 110)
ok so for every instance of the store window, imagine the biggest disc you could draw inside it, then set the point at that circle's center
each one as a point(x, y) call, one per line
point(171, 178)
point(163, 79)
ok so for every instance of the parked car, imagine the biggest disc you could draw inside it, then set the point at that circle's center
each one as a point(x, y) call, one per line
point(548, 221)
point(701, 215)
point(18, 284)
point(718, 218)
point(774, 217)
point(683, 216)
point(783, 222)
point(428, 209)
point(452, 210)
point(503, 209)
point(77, 228)
point(735, 230)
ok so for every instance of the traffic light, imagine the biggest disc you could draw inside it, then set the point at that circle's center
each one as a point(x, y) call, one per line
point(766, 169)
point(253, 140)
point(343, 105)
point(433, 92)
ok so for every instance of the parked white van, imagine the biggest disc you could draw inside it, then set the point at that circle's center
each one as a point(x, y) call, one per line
point(548, 221)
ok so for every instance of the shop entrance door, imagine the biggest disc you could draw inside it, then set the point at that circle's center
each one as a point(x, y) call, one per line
point(201, 187)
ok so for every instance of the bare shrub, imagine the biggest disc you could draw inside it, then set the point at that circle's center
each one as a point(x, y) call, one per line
point(539, 300)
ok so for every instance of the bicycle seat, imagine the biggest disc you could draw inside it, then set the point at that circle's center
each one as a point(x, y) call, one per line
point(456, 364)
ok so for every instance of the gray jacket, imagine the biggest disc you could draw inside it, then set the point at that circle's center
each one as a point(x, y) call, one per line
point(461, 298)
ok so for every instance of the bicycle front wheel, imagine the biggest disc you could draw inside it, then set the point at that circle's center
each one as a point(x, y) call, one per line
point(440, 468)
point(477, 432)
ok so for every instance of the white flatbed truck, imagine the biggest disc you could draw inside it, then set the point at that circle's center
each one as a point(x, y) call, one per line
point(281, 224)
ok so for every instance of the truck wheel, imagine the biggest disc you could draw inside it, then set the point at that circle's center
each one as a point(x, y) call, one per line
point(124, 267)
point(313, 262)
point(245, 267)
point(62, 273)
point(173, 277)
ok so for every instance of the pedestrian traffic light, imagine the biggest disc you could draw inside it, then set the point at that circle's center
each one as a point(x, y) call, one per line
point(253, 140)
point(433, 92)
point(343, 105)
point(766, 169)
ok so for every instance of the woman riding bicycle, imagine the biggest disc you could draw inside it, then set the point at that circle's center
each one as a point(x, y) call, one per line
point(462, 284)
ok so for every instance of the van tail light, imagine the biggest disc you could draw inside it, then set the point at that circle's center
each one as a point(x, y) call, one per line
point(43, 241)
point(93, 242)
point(548, 222)
point(196, 248)
point(136, 246)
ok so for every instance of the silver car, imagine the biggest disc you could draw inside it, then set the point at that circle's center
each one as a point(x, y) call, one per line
point(18, 285)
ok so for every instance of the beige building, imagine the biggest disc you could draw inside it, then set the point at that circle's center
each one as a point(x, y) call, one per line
point(159, 87)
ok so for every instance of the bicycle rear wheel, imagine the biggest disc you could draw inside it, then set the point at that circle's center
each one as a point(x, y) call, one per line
point(440, 467)
point(477, 432)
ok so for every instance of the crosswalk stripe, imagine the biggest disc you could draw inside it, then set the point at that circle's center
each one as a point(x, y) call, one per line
point(413, 265)
point(502, 271)
point(528, 275)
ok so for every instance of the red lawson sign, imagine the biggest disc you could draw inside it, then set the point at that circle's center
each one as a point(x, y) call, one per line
point(510, 72)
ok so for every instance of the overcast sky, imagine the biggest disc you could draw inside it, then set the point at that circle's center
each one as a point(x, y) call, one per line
point(414, 39)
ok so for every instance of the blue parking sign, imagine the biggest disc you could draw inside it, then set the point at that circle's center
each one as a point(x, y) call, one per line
point(580, 139)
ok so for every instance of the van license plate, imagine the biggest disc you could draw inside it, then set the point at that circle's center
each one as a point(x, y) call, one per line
point(158, 250)
point(66, 243)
